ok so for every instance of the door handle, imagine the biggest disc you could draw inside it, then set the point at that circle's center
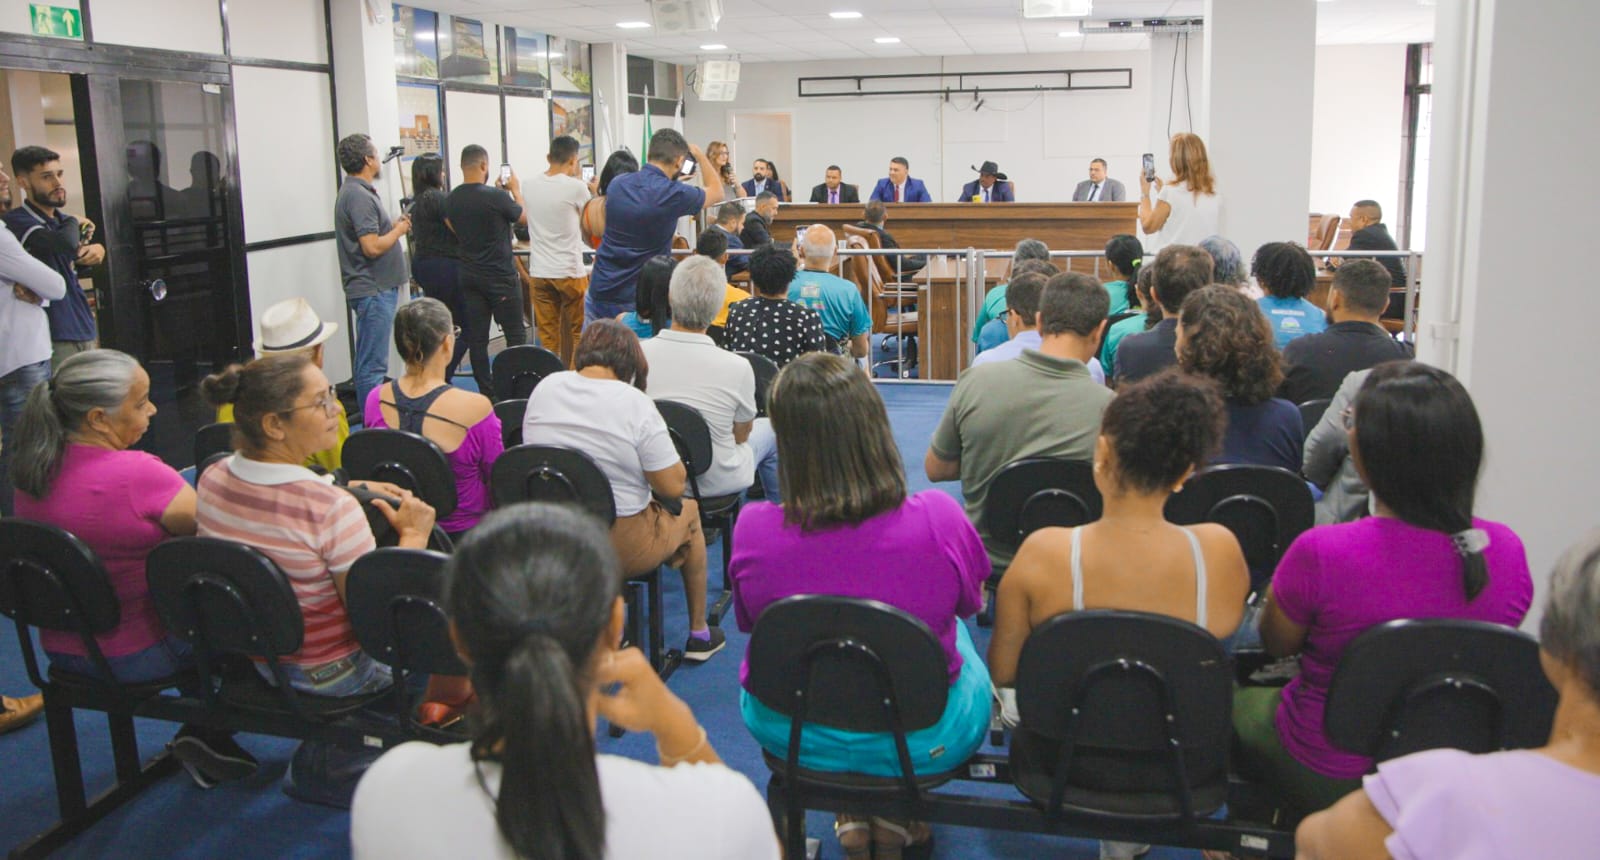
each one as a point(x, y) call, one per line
point(156, 287)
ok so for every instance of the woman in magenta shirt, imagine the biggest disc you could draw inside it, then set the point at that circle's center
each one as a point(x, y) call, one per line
point(845, 511)
point(1417, 443)
point(73, 469)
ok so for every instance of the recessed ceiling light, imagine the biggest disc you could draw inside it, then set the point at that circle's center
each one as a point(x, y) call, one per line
point(844, 16)
point(887, 40)
point(713, 47)
point(634, 25)
point(1070, 34)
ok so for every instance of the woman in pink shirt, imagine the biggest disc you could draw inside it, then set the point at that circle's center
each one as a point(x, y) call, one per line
point(1519, 803)
point(1417, 442)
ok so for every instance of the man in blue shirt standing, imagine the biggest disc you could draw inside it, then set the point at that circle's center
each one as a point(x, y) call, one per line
point(845, 318)
point(642, 212)
point(56, 239)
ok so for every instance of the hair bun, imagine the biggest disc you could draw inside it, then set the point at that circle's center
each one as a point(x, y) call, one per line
point(223, 387)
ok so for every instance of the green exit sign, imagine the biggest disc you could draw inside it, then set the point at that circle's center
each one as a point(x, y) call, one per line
point(57, 21)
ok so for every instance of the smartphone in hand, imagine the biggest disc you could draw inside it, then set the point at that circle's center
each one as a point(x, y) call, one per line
point(505, 173)
point(1149, 167)
point(689, 165)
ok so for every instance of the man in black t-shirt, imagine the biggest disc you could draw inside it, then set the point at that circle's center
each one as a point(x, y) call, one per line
point(482, 216)
point(1368, 233)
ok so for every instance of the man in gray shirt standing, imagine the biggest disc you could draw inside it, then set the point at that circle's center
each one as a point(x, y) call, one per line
point(371, 262)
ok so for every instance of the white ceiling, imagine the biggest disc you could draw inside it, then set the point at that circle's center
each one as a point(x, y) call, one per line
point(798, 30)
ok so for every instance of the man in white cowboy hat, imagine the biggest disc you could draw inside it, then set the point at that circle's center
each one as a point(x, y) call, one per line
point(291, 326)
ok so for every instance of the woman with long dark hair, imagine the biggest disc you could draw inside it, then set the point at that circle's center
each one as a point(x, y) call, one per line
point(652, 310)
point(435, 252)
point(1125, 256)
point(535, 609)
point(593, 219)
point(1417, 442)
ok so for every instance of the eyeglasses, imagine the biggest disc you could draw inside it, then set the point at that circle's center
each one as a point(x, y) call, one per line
point(328, 403)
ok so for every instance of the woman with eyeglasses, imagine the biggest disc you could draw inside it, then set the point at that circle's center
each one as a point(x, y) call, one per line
point(423, 401)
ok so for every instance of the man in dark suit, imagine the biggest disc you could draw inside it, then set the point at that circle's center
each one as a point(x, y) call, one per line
point(872, 219)
point(755, 232)
point(728, 217)
point(991, 186)
point(765, 179)
point(1179, 271)
point(1316, 364)
point(898, 186)
point(833, 190)
point(1097, 187)
point(1367, 233)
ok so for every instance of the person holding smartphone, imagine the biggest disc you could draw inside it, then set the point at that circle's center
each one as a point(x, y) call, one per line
point(1184, 210)
point(482, 217)
point(555, 242)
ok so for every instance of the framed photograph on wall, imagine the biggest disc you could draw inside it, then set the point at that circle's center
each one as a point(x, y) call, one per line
point(468, 52)
point(569, 66)
point(420, 128)
point(527, 59)
point(574, 114)
point(416, 43)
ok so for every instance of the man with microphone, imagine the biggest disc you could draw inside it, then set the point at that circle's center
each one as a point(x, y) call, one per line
point(372, 263)
point(991, 186)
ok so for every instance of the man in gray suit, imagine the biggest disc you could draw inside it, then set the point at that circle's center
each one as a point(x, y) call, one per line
point(1097, 188)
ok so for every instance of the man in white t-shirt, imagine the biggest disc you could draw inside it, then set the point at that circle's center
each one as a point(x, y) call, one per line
point(555, 203)
point(687, 367)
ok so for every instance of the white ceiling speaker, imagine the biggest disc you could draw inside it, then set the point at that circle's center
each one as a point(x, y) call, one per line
point(685, 16)
point(1056, 8)
point(716, 80)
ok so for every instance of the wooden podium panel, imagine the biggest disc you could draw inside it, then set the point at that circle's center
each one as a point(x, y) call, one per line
point(992, 226)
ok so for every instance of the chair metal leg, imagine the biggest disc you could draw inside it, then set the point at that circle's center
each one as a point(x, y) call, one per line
point(124, 746)
point(664, 659)
point(719, 608)
point(64, 759)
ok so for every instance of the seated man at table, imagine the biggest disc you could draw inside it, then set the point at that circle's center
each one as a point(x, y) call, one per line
point(729, 218)
point(1315, 364)
point(1180, 270)
point(898, 186)
point(833, 189)
point(991, 186)
point(872, 218)
point(845, 318)
point(755, 230)
point(1022, 323)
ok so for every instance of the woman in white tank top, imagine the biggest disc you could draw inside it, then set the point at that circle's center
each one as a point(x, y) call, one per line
point(1185, 210)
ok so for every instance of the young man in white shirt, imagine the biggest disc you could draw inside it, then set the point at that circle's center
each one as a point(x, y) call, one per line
point(555, 202)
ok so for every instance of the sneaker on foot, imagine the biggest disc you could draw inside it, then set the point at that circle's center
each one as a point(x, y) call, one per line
point(700, 650)
point(211, 757)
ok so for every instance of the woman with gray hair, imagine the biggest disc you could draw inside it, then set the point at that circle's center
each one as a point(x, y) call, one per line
point(1531, 803)
point(423, 401)
point(74, 469)
point(1227, 265)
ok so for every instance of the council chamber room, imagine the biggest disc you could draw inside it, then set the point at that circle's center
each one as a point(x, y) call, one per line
point(861, 429)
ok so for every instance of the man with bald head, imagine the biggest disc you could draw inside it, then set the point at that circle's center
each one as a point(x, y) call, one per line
point(845, 318)
point(1367, 233)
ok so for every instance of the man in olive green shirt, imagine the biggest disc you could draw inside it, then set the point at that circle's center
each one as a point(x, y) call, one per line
point(1040, 404)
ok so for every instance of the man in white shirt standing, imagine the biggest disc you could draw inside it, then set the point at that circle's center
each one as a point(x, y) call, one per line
point(26, 286)
point(555, 203)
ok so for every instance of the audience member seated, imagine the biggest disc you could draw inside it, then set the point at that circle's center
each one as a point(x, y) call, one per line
point(292, 327)
point(713, 243)
point(1146, 313)
point(847, 527)
point(652, 310)
point(755, 232)
point(729, 216)
point(845, 318)
point(422, 401)
point(1041, 404)
point(1223, 335)
point(1285, 272)
point(873, 216)
point(1180, 270)
point(593, 221)
point(1125, 257)
point(1227, 265)
point(1357, 340)
point(768, 323)
point(533, 600)
point(1022, 325)
point(74, 468)
point(687, 367)
point(1529, 803)
point(1419, 446)
point(994, 301)
point(601, 409)
point(1368, 233)
point(1327, 462)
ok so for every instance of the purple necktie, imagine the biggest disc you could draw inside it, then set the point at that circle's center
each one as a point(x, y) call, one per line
point(833, 196)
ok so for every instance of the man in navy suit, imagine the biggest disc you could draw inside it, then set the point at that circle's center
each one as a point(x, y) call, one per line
point(764, 180)
point(898, 186)
point(991, 186)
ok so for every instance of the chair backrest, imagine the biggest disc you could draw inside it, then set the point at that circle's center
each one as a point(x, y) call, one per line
point(518, 370)
point(1122, 691)
point(511, 413)
point(201, 467)
point(393, 597)
point(544, 473)
point(1311, 412)
point(690, 435)
point(1327, 232)
point(224, 597)
point(52, 580)
point(1265, 507)
point(1037, 492)
point(766, 370)
point(407, 460)
point(212, 439)
point(846, 656)
point(874, 242)
point(1408, 686)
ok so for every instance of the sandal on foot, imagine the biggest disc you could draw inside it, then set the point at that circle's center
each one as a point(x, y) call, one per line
point(892, 840)
point(855, 836)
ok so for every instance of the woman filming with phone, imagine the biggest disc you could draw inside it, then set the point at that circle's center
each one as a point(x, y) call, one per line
point(1183, 210)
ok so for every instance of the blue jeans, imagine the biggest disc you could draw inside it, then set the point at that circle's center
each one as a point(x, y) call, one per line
point(355, 675)
point(161, 660)
point(594, 310)
point(374, 331)
point(764, 446)
point(14, 389)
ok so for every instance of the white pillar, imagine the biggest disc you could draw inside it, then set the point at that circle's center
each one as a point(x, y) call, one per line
point(1177, 96)
point(610, 84)
point(363, 76)
point(1507, 302)
point(1260, 61)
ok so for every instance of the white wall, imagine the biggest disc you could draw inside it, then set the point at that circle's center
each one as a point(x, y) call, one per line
point(1356, 118)
point(175, 25)
point(275, 30)
point(311, 272)
point(283, 131)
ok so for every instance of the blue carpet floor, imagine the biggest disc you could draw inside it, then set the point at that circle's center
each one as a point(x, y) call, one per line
point(253, 819)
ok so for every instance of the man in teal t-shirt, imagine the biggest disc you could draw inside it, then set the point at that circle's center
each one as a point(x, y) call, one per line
point(845, 318)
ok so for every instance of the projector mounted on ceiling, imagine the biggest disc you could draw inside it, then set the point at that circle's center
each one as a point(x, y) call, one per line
point(685, 16)
point(1056, 8)
point(1148, 25)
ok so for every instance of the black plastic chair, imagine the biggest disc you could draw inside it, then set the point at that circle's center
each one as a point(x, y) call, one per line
point(212, 439)
point(1031, 494)
point(511, 413)
point(407, 460)
point(1408, 686)
point(1311, 412)
point(518, 370)
point(51, 580)
point(1265, 507)
point(383, 533)
point(765, 370)
point(393, 598)
point(692, 437)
